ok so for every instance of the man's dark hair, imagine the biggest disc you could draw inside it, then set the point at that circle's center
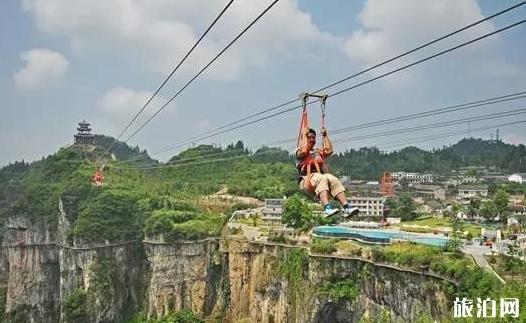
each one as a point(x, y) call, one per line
point(312, 131)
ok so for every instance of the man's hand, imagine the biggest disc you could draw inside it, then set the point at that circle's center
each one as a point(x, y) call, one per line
point(305, 131)
point(324, 131)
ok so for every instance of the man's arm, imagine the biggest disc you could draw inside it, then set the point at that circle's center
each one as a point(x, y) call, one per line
point(303, 147)
point(327, 144)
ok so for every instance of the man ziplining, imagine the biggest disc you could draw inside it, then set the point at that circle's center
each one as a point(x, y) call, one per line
point(315, 178)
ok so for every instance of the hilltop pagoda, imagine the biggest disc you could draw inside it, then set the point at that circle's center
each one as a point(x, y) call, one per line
point(84, 135)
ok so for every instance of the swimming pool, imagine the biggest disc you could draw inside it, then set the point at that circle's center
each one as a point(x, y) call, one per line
point(377, 236)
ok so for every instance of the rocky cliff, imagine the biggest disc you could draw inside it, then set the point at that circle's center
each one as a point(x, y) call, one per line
point(47, 280)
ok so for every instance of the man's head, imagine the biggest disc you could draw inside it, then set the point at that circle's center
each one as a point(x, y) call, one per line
point(311, 138)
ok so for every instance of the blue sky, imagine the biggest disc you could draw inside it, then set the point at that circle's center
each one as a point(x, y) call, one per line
point(66, 60)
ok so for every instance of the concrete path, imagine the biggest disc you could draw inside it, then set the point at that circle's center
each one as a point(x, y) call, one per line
point(478, 252)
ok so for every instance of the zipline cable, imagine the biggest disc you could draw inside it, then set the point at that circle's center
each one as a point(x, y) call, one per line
point(197, 137)
point(172, 73)
point(202, 70)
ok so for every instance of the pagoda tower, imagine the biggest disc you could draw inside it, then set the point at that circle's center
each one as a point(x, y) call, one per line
point(84, 136)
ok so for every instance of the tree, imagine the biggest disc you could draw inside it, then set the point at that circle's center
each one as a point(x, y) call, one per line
point(455, 241)
point(473, 207)
point(512, 262)
point(405, 207)
point(501, 200)
point(488, 210)
point(297, 213)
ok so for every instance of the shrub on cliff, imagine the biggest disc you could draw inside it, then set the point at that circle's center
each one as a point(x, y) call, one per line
point(76, 307)
point(180, 225)
point(325, 246)
point(111, 215)
point(182, 316)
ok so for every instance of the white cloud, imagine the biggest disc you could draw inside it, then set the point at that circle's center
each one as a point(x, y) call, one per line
point(121, 103)
point(157, 33)
point(392, 27)
point(43, 67)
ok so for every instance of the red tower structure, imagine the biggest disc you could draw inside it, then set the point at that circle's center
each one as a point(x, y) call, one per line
point(387, 185)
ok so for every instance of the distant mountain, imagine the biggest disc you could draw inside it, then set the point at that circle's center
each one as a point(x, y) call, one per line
point(369, 163)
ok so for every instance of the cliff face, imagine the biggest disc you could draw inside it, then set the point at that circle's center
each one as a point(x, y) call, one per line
point(31, 275)
point(243, 281)
point(225, 279)
point(40, 275)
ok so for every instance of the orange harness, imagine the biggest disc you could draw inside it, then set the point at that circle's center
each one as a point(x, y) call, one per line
point(98, 178)
point(308, 161)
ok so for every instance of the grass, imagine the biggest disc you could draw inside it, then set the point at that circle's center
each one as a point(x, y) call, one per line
point(325, 246)
point(348, 247)
point(434, 222)
point(518, 274)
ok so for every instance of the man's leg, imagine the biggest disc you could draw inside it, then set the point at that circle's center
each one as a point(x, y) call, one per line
point(321, 188)
point(338, 191)
point(324, 197)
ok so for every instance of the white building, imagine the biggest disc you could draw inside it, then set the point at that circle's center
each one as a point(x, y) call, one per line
point(369, 206)
point(470, 191)
point(272, 210)
point(518, 178)
point(413, 177)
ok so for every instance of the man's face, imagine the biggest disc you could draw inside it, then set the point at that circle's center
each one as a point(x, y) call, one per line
point(311, 139)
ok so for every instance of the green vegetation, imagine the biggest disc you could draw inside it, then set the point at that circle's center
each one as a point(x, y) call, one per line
point(293, 269)
point(177, 225)
point(407, 254)
point(344, 289)
point(510, 268)
point(281, 239)
point(123, 152)
point(369, 162)
point(434, 222)
point(134, 201)
point(403, 207)
point(76, 306)
point(325, 246)
point(298, 214)
point(455, 240)
point(3, 299)
point(349, 247)
point(182, 316)
point(107, 211)
point(104, 274)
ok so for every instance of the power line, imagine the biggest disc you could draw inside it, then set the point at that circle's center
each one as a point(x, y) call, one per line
point(267, 152)
point(197, 137)
point(368, 136)
point(362, 83)
point(447, 109)
point(438, 111)
point(202, 70)
point(173, 72)
point(433, 125)
point(422, 139)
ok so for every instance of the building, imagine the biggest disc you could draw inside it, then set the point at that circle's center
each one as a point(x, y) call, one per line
point(469, 191)
point(363, 188)
point(369, 206)
point(84, 136)
point(494, 177)
point(429, 192)
point(413, 177)
point(518, 178)
point(272, 210)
